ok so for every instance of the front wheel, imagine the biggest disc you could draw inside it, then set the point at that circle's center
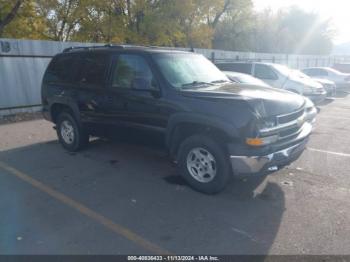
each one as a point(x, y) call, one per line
point(70, 134)
point(204, 164)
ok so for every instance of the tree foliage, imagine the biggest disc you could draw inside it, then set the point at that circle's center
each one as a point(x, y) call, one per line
point(222, 24)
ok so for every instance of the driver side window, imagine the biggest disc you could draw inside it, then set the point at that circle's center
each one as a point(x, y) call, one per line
point(132, 69)
point(264, 72)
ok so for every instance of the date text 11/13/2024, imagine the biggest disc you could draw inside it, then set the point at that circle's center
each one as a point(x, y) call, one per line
point(173, 258)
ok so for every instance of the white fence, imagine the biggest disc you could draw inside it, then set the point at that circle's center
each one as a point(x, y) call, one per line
point(23, 62)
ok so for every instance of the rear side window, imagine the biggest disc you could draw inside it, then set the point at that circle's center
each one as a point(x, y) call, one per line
point(245, 68)
point(264, 72)
point(311, 72)
point(93, 72)
point(322, 72)
point(62, 69)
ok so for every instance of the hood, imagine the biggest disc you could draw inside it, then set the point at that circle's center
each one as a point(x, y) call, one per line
point(323, 81)
point(265, 101)
point(305, 81)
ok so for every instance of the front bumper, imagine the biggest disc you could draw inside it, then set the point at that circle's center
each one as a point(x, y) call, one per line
point(343, 86)
point(244, 166)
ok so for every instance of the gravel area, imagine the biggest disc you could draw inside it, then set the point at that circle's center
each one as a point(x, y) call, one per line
point(20, 117)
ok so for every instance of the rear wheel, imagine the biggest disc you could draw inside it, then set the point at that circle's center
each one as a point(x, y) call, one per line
point(70, 134)
point(204, 164)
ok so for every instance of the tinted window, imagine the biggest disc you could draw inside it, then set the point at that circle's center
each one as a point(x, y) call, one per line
point(62, 69)
point(94, 70)
point(322, 72)
point(130, 69)
point(264, 72)
point(311, 72)
point(236, 67)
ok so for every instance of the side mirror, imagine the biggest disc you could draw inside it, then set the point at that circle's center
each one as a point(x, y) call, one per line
point(141, 84)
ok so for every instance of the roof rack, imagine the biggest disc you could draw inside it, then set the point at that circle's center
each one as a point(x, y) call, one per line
point(101, 46)
point(85, 47)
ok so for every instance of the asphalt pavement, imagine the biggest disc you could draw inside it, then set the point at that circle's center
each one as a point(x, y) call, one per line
point(123, 197)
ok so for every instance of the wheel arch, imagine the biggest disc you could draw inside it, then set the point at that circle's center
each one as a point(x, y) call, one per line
point(184, 125)
point(57, 107)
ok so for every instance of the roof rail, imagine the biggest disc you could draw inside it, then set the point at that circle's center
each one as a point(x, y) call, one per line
point(79, 47)
point(103, 46)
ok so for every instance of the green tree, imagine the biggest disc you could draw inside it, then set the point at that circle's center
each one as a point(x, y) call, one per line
point(236, 30)
point(25, 22)
point(62, 17)
point(8, 12)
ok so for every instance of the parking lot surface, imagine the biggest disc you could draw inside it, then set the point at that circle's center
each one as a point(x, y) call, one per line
point(117, 197)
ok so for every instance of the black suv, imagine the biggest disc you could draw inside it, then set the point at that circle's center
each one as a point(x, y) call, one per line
point(213, 129)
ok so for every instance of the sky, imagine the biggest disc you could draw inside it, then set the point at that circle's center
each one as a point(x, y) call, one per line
point(337, 10)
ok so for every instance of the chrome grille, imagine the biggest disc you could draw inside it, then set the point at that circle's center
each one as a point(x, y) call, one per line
point(289, 132)
point(283, 119)
point(288, 126)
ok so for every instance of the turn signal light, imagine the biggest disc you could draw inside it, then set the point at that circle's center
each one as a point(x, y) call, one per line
point(254, 141)
point(261, 141)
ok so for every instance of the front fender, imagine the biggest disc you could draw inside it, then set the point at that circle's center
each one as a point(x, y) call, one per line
point(191, 118)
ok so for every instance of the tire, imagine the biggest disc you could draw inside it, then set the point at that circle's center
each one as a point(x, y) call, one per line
point(196, 148)
point(70, 133)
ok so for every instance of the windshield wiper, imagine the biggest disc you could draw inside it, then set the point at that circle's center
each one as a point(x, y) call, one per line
point(219, 81)
point(196, 83)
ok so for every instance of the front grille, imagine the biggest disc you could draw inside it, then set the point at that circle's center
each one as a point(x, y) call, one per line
point(289, 132)
point(283, 119)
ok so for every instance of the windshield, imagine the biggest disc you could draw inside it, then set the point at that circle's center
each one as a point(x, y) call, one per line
point(188, 70)
point(282, 69)
point(246, 79)
point(300, 74)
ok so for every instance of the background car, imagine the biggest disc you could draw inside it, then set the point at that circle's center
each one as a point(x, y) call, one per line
point(279, 76)
point(339, 78)
point(342, 67)
point(329, 86)
point(244, 79)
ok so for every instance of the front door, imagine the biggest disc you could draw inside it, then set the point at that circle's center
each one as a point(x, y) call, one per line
point(268, 75)
point(135, 93)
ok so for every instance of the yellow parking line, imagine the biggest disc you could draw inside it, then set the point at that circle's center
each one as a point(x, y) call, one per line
point(116, 228)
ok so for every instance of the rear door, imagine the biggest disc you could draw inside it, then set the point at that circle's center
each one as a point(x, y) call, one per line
point(59, 80)
point(91, 94)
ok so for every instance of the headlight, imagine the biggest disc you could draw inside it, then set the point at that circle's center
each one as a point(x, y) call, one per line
point(307, 89)
point(262, 125)
point(310, 111)
point(313, 90)
point(308, 103)
point(266, 123)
